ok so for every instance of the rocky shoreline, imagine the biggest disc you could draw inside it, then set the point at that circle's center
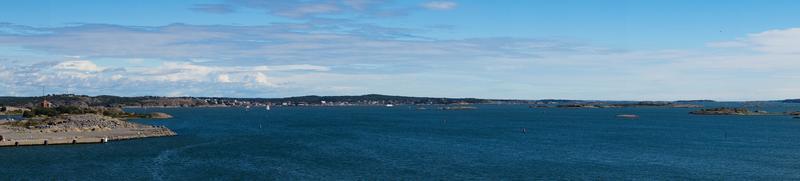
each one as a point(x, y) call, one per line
point(735, 111)
point(597, 105)
point(75, 129)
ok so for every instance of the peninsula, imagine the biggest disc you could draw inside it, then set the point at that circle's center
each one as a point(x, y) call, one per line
point(49, 124)
point(75, 129)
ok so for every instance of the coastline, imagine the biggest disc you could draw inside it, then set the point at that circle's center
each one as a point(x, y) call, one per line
point(33, 138)
point(78, 129)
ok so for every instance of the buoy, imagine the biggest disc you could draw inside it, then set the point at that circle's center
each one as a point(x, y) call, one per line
point(524, 130)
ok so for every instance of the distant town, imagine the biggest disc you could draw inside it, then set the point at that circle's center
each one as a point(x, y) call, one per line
point(154, 101)
point(362, 100)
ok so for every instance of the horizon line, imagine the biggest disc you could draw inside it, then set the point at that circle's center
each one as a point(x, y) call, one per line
point(498, 99)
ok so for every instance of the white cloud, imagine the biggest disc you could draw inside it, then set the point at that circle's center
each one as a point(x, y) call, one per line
point(307, 9)
point(781, 41)
point(116, 77)
point(182, 78)
point(174, 72)
point(78, 65)
point(777, 41)
point(310, 9)
point(224, 78)
point(190, 72)
point(440, 5)
point(278, 44)
point(261, 79)
point(297, 67)
point(727, 44)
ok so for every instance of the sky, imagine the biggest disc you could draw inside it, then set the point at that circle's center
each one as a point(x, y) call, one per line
point(514, 49)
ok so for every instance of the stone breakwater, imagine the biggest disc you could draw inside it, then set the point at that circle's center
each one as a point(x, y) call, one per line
point(75, 129)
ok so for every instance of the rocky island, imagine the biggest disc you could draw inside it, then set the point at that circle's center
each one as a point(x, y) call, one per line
point(795, 114)
point(75, 129)
point(47, 125)
point(593, 105)
point(731, 111)
point(722, 111)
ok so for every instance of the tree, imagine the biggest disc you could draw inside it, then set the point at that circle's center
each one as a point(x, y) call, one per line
point(28, 114)
point(45, 111)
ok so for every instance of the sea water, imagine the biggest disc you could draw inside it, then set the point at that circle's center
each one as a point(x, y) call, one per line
point(406, 143)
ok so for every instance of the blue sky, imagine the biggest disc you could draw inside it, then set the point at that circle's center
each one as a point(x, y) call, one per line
point(528, 49)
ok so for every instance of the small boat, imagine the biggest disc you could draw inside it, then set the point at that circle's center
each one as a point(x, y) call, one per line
point(268, 108)
point(798, 117)
point(629, 116)
point(389, 105)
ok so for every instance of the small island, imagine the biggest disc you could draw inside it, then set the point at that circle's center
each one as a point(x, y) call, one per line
point(51, 125)
point(722, 111)
point(731, 111)
point(594, 105)
point(795, 115)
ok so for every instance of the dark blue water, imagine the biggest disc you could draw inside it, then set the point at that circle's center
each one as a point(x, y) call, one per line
point(369, 143)
point(12, 117)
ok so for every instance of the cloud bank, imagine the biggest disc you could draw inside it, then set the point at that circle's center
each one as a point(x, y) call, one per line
point(305, 9)
point(781, 41)
point(335, 58)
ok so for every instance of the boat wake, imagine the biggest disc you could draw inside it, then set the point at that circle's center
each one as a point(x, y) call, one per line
point(157, 168)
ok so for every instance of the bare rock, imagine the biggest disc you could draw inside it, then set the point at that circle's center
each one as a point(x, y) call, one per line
point(160, 115)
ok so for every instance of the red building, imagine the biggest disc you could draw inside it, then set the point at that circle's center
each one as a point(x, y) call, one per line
point(46, 104)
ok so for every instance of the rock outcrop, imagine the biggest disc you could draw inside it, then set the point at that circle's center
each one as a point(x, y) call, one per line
point(724, 111)
point(77, 128)
point(159, 115)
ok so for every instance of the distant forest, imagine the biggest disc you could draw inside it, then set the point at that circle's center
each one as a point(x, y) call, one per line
point(792, 101)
